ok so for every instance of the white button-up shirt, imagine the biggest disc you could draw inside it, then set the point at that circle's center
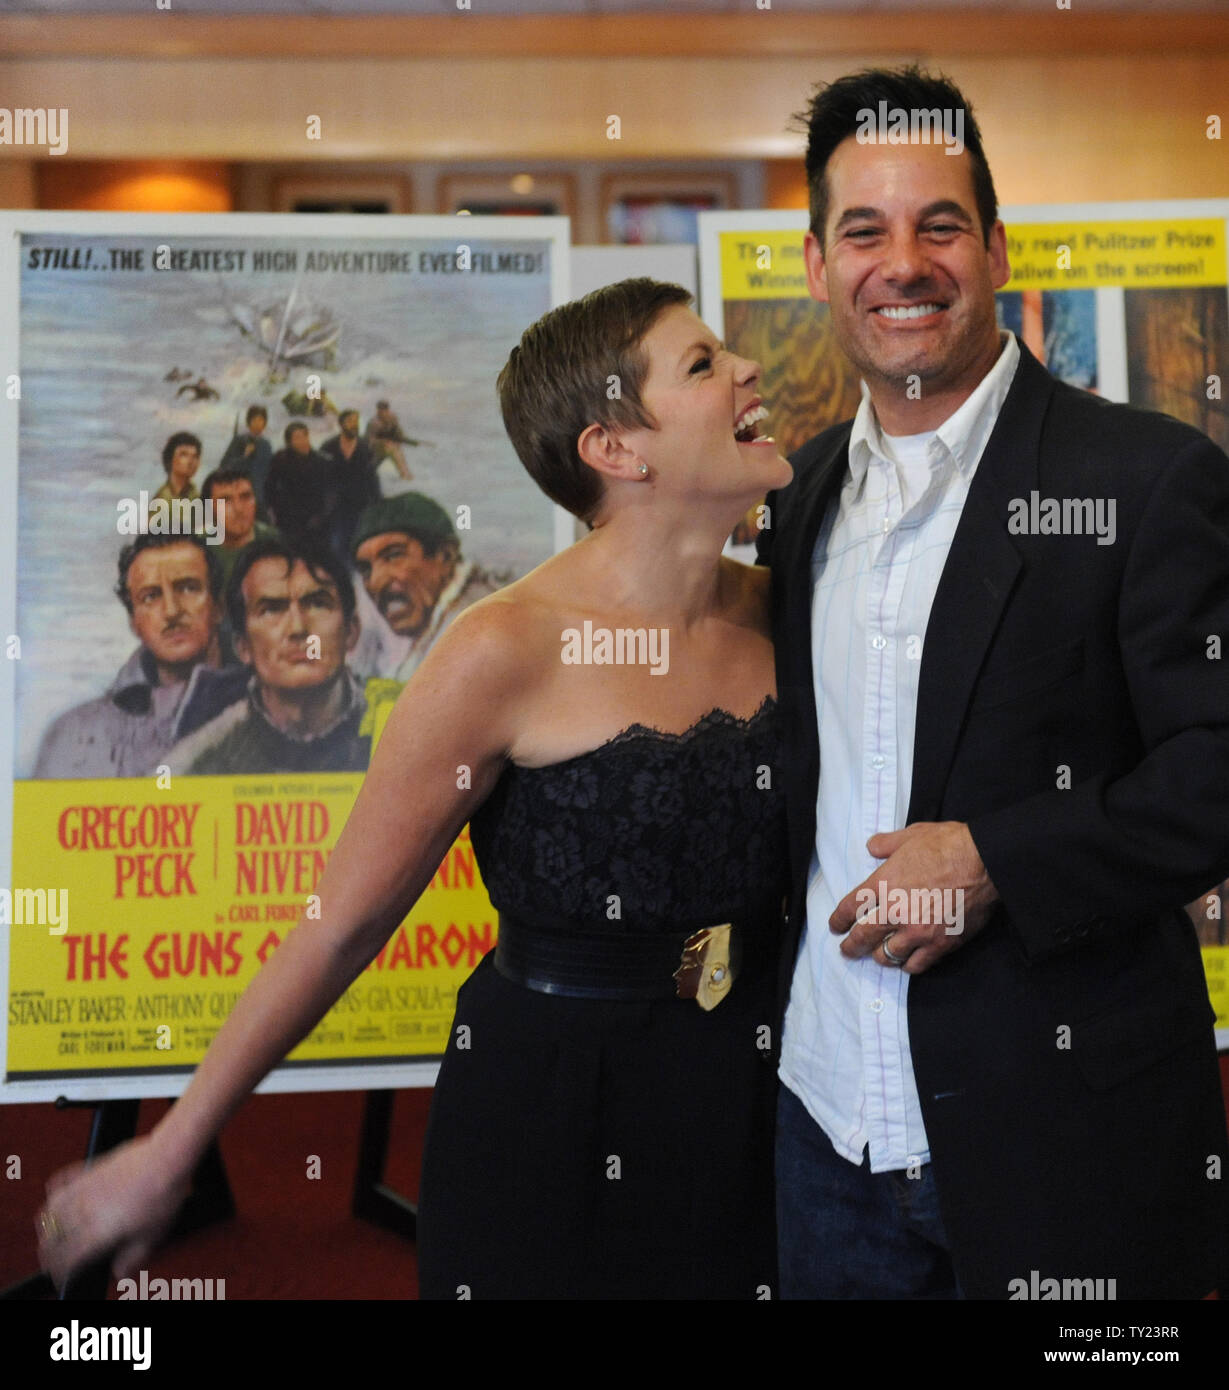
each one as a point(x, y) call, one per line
point(878, 557)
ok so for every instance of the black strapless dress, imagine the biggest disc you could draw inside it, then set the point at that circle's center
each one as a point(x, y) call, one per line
point(582, 1148)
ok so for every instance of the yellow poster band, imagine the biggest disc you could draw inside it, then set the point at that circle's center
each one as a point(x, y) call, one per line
point(1216, 968)
point(1117, 255)
point(762, 265)
point(145, 912)
point(1043, 255)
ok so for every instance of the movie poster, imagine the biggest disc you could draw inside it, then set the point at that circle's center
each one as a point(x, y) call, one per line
point(259, 467)
point(1128, 300)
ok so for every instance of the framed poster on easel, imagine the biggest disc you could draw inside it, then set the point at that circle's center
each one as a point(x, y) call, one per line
point(162, 827)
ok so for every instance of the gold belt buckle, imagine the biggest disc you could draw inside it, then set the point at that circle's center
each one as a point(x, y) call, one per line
point(708, 968)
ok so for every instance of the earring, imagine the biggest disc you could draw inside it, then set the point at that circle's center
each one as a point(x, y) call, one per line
point(644, 470)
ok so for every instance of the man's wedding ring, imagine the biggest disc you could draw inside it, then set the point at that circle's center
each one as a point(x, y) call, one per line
point(49, 1225)
point(887, 951)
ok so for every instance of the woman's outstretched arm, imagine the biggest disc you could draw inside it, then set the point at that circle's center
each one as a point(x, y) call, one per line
point(441, 753)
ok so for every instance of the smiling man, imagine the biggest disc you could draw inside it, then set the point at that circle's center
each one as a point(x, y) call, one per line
point(292, 613)
point(1022, 726)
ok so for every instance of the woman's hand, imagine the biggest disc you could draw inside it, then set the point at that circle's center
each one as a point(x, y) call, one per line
point(120, 1205)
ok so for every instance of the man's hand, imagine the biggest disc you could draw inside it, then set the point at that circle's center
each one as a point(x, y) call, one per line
point(927, 898)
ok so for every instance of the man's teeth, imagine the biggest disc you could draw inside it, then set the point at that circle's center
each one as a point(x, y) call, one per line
point(745, 427)
point(910, 311)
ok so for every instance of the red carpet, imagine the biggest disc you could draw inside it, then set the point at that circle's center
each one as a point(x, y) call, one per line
point(293, 1237)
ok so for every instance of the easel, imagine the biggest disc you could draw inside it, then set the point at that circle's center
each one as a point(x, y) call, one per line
point(373, 1199)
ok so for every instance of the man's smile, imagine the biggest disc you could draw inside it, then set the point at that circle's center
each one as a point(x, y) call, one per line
point(909, 313)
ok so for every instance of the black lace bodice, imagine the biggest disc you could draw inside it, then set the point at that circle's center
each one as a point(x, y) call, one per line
point(683, 829)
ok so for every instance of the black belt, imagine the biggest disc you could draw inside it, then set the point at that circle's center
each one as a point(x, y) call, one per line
point(606, 965)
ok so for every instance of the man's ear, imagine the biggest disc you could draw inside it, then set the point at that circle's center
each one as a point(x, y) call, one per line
point(608, 452)
point(353, 630)
point(243, 649)
point(817, 268)
point(996, 251)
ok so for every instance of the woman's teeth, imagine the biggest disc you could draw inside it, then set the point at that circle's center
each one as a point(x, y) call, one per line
point(746, 427)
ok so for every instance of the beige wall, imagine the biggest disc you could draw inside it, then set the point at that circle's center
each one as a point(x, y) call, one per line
point(1072, 107)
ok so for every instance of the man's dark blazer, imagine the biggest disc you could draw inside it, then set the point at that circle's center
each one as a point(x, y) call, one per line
point(1064, 1055)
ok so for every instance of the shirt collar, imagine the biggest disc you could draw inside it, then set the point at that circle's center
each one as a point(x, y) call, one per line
point(138, 671)
point(963, 434)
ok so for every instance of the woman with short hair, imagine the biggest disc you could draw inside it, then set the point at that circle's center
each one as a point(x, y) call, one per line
point(602, 1122)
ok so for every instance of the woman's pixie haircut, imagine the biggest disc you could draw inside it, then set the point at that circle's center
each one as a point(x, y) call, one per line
point(581, 364)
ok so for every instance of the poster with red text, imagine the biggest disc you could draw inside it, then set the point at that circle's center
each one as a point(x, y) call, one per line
point(253, 466)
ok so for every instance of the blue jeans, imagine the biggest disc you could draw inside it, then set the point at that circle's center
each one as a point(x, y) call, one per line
point(845, 1232)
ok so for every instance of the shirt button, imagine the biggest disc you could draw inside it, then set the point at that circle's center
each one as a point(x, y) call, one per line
point(879, 642)
point(875, 1006)
point(887, 524)
point(878, 761)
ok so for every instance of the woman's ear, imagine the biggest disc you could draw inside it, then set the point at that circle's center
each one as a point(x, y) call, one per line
point(609, 452)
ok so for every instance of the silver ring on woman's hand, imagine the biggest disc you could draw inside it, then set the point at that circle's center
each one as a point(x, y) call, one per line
point(887, 951)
